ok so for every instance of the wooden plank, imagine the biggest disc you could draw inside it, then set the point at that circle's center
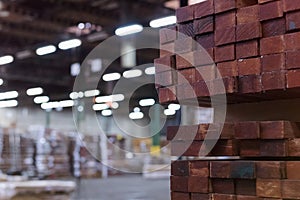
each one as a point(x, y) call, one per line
point(247, 14)
point(278, 130)
point(223, 186)
point(223, 197)
point(292, 170)
point(294, 148)
point(292, 41)
point(293, 80)
point(273, 62)
point(184, 60)
point(246, 187)
point(273, 148)
point(270, 170)
point(270, 10)
point(180, 196)
point(222, 6)
point(248, 31)
point(167, 49)
point(204, 9)
point(180, 168)
point(273, 27)
point(293, 21)
point(220, 169)
point(201, 88)
point(198, 184)
point(292, 59)
point(250, 84)
point(249, 148)
point(179, 183)
point(272, 45)
point(243, 170)
point(207, 73)
point(290, 189)
point(185, 30)
point(247, 130)
point(167, 94)
point(247, 49)
point(199, 168)
point(164, 78)
point(268, 188)
point(167, 35)
point(291, 5)
point(188, 76)
point(225, 36)
point(273, 80)
point(225, 20)
point(225, 53)
point(164, 64)
point(250, 66)
point(198, 196)
point(203, 25)
point(184, 45)
point(206, 41)
point(185, 14)
point(227, 69)
point(185, 91)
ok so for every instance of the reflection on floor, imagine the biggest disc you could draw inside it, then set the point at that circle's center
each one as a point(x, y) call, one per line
point(123, 188)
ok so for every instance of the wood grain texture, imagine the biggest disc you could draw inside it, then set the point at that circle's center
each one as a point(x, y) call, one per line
point(184, 45)
point(292, 59)
point(227, 69)
point(222, 6)
point(273, 62)
point(206, 41)
point(185, 30)
point(204, 9)
point(223, 186)
point(270, 170)
point(247, 130)
point(247, 14)
point(220, 169)
point(272, 45)
point(164, 64)
point(225, 20)
point(274, 27)
point(268, 188)
point(250, 66)
point(185, 14)
point(250, 84)
point(246, 187)
point(293, 21)
point(167, 95)
point(273, 80)
point(180, 196)
point(203, 25)
point(167, 35)
point(225, 36)
point(247, 49)
point(292, 41)
point(291, 5)
point(270, 10)
point(293, 80)
point(179, 183)
point(279, 130)
point(290, 189)
point(225, 53)
point(248, 31)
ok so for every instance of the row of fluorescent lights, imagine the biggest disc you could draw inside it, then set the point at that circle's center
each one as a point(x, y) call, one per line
point(136, 28)
point(68, 44)
point(128, 74)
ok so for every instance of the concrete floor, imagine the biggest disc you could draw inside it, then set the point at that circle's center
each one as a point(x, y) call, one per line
point(123, 188)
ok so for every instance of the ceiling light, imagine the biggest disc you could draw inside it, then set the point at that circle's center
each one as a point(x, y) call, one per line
point(6, 60)
point(97, 36)
point(136, 109)
point(41, 99)
point(106, 113)
point(91, 93)
point(98, 107)
point(34, 91)
point(118, 97)
point(169, 112)
point(23, 54)
point(114, 105)
point(174, 106)
point(165, 21)
point(1, 81)
point(132, 73)
point(110, 98)
point(136, 115)
point(69, 44)
point(128, 30)
point(66, 103)
point(73, 95)
point(45, 50)
point(81, 26)
point(80, 94)
point(8, 104)
point(111, 77)
point(9, 95)
point(57, 104)
point(150, 70)
point(75, 69)
point(147, 102)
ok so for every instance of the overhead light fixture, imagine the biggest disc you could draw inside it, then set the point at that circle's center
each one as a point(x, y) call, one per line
point(1, 81)
point(110, 98)
point(75, 69)
point(66, 103)
point(97, 36)
point(136, 115)
point(98, 107)
point(132, 73)
point(169, 112)
point(6, 59)
point(150, 70)
point(24, 54)
point(57, 104)
point(111, 76)
point(174, 106)
point(41, 99)
point(128, 30)
point(74, 95)
point(34, 91)
point(8, 104)
point(9, 95)
point(114, 105)
point(147, 102)
point(45, 50)
point(165, 21)
point(81, 26)
point(91, 93)
point(69, 44)
point(106, 113)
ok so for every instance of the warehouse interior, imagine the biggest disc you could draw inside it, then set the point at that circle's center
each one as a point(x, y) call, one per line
point(149, 99)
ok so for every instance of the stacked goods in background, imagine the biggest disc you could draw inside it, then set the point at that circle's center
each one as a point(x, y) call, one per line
point(255, 46)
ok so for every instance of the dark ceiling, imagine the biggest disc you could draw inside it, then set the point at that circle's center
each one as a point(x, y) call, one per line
point(29, 24)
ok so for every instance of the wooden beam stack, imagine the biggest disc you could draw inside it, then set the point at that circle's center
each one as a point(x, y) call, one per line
point(255, 46)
